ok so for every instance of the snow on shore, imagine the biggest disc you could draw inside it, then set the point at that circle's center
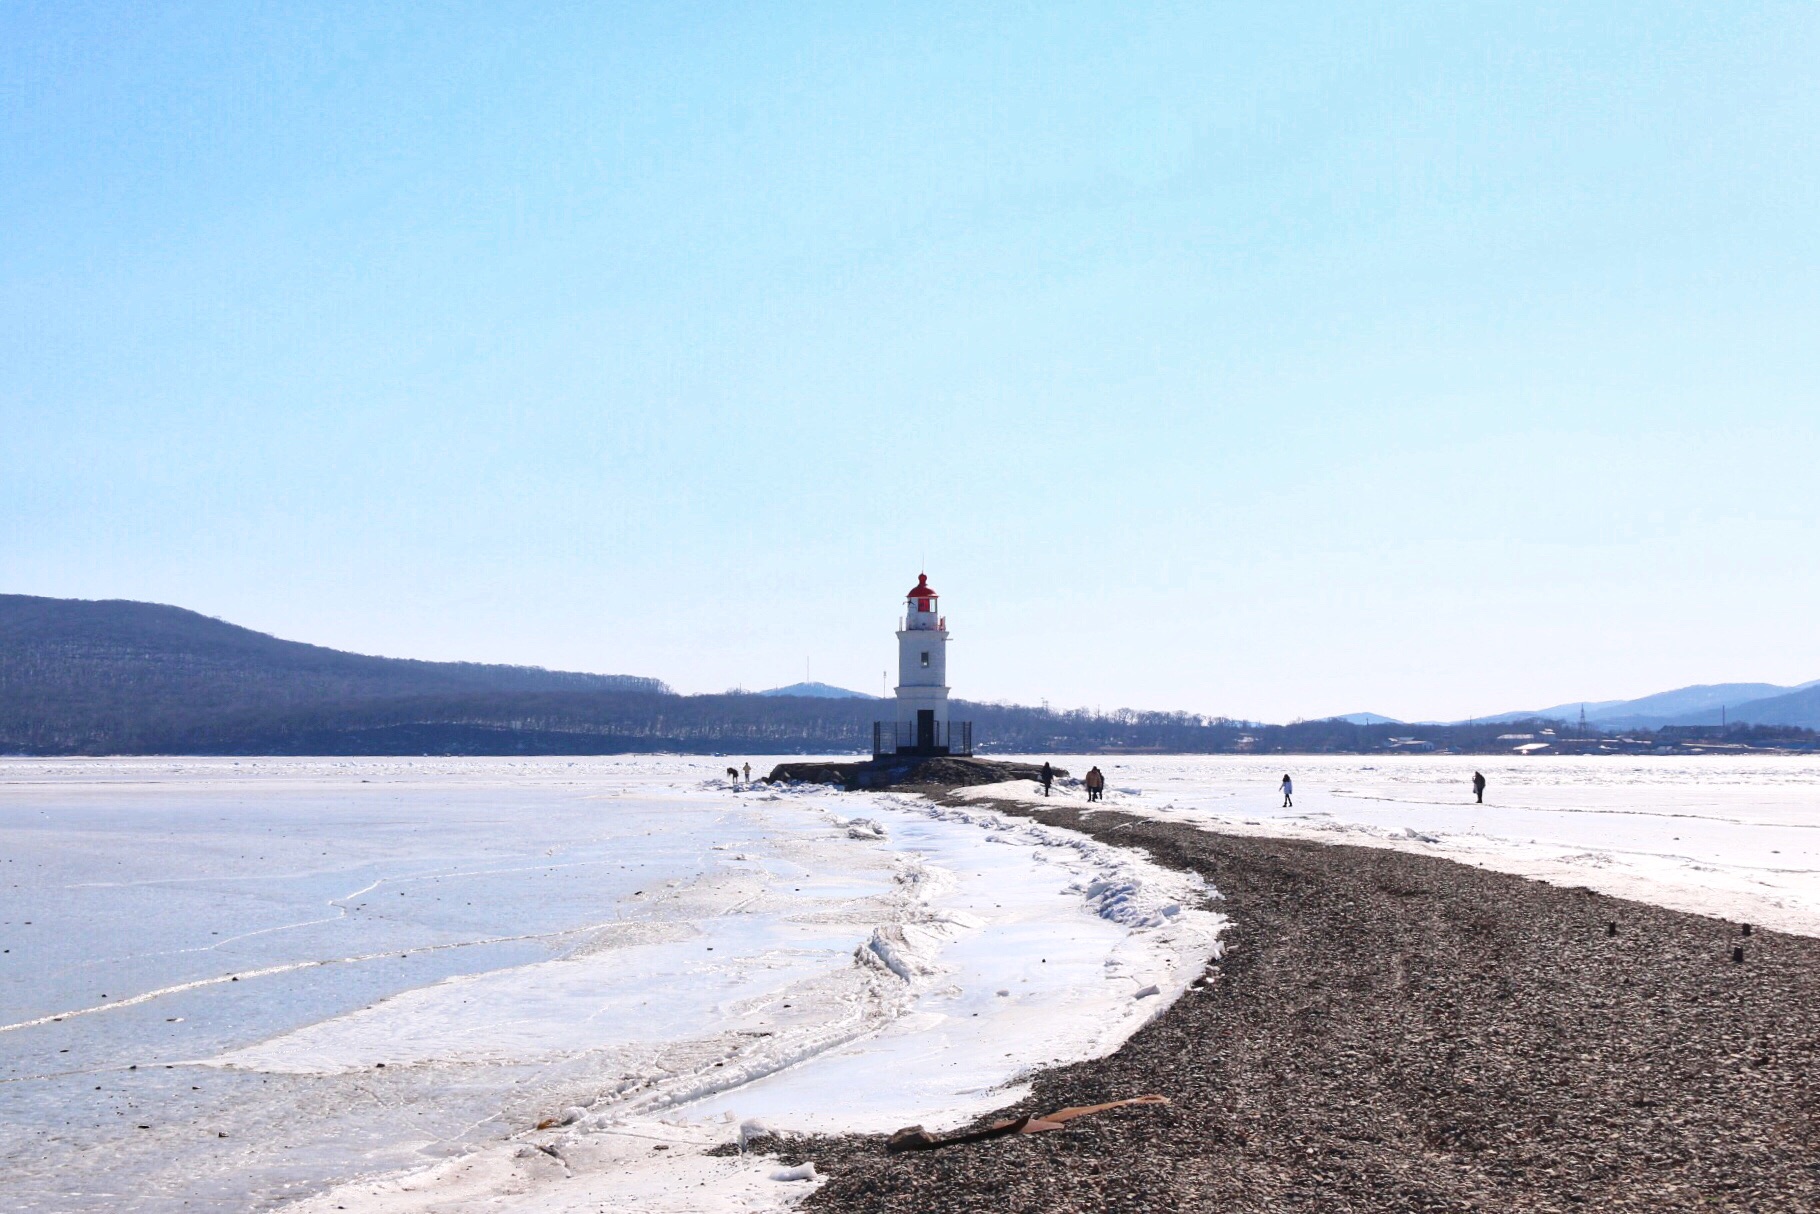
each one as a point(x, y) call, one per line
point(233, 983)
point(321, 970)
point(1729, 836)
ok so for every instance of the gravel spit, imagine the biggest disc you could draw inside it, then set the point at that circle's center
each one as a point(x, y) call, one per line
point(1396, 1032)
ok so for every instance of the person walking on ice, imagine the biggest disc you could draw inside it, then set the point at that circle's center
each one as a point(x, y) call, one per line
point(748, 768)
point(1048, 776)
point(1288, 792)
point(1478, 786)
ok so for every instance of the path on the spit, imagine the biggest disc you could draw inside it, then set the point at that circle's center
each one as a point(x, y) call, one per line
point(1395, 1032)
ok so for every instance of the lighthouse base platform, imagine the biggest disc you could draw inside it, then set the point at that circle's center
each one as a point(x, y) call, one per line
point(892, 771)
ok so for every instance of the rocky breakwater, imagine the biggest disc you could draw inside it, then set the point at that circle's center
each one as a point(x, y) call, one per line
point(927, 771)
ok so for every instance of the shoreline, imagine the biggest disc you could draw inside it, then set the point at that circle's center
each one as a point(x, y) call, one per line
point(1393, 1031)
point(970, 931)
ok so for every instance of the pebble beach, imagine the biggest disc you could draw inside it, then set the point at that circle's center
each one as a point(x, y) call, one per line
point(1389, 1031)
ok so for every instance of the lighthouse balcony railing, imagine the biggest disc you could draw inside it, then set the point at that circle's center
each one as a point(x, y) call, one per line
point(908, 738)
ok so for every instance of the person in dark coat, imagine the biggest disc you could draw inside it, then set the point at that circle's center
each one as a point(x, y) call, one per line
point(1478, 786)
point(1048, 777)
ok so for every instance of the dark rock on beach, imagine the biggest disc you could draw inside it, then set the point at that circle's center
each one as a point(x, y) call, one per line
point(942, 771)
point(1392, 1032)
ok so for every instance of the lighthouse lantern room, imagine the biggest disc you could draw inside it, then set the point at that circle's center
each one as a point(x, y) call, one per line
point(922, 726)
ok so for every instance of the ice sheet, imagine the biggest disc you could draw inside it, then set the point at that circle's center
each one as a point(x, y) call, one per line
point(270, 976)
point(1731, 836)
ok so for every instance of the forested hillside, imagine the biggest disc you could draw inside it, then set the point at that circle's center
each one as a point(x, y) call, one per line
point(118, 677)
point(137, 678)
point(78, 675)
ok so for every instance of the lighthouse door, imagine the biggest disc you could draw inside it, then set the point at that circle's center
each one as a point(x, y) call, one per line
point(925, 729)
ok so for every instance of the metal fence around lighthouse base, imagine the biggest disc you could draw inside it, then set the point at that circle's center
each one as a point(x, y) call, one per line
point(921, 738)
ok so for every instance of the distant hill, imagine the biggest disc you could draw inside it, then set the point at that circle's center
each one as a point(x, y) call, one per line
point(74, 672)
point(1365, 718)
point(118, 677)
point(1798, 707)
point(818, 691)
point(1560, 712)
point(1700, 704)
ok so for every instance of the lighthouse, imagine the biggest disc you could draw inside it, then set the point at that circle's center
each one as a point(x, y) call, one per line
point(922, 726)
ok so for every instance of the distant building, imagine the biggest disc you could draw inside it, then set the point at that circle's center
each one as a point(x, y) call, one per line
point(922, 726)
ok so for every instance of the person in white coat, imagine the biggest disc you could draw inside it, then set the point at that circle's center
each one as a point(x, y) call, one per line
point(1288, 792)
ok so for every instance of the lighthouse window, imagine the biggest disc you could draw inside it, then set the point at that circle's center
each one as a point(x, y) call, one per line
point(925, 657)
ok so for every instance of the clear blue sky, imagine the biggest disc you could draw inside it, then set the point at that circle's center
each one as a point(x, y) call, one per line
point(1272, 360)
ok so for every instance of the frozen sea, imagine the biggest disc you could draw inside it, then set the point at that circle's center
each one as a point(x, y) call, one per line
point(325, 984)
point(364, 984)
point(1734, 836)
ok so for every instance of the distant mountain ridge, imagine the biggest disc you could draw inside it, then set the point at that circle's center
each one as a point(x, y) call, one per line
point(117, 668)
point(118, 677)
point(1699, 704)
point(125, 678)
point(818, 691)
point(1798, 707)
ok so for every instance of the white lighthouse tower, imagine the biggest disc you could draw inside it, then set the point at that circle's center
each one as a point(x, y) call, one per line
point(922, 725)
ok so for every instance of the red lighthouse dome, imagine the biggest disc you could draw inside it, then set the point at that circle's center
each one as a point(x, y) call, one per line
point(922, 595)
